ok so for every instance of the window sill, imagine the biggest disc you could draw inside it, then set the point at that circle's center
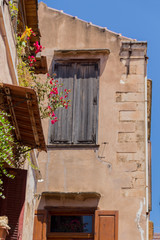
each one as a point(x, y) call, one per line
point(70, 236)
point(51, 146)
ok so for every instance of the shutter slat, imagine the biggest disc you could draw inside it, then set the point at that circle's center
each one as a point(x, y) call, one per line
point(86, 110)
point(61, 131)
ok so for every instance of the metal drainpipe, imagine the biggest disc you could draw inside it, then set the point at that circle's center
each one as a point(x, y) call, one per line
point(146, 158)
point(3, 29)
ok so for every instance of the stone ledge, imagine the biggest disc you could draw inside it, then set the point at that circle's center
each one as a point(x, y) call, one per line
point(72, 195)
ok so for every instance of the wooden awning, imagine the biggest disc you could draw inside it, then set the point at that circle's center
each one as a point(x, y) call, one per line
point(31, 9)
point(21, 103)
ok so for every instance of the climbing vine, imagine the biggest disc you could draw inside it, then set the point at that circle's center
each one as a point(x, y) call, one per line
point(13, 9)
point(12, 154)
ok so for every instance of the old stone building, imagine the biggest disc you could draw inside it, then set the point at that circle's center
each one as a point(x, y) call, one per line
point(97, 169)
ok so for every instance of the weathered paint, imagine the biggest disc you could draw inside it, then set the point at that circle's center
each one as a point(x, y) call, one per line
point(138, 219)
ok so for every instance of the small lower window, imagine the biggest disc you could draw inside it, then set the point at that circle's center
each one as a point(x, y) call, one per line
point(71, 224)
point(81, 224)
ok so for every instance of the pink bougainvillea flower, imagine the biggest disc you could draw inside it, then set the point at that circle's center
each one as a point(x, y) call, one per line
point(37, 47)
point(53, 114)
point(52, 121)
point(31, 60)
point(55, 90)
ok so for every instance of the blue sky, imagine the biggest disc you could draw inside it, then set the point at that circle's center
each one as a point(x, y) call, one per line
point(138, 19)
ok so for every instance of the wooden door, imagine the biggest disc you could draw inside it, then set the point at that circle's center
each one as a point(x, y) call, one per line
point(106, 225)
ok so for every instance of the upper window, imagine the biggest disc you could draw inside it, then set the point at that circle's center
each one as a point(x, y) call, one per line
point(78, 123)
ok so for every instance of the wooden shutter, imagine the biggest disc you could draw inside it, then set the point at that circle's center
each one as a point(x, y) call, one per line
point(106, 225)
point(39, 232)
point(13, 205)
point(85, 103)
point(61, 131)
point(78, 123)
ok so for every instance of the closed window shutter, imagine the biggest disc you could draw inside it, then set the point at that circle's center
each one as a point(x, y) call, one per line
point(78, 123)
point(106, 225)
point(61, 131)
point(13, 205)
point(39, 232)
point(85, 103)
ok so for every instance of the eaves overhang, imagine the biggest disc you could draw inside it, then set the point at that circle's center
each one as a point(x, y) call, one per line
point(22, 105)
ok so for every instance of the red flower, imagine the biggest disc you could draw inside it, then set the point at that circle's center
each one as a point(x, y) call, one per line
point(31, 60)
point(37, 47)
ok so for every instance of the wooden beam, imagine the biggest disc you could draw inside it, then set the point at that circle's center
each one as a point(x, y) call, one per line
point(32, 119)
point(12, 113)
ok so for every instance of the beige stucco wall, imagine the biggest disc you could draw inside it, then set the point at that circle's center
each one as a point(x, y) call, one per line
point(116, 170)
point(8, 58)
point(29, 203)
